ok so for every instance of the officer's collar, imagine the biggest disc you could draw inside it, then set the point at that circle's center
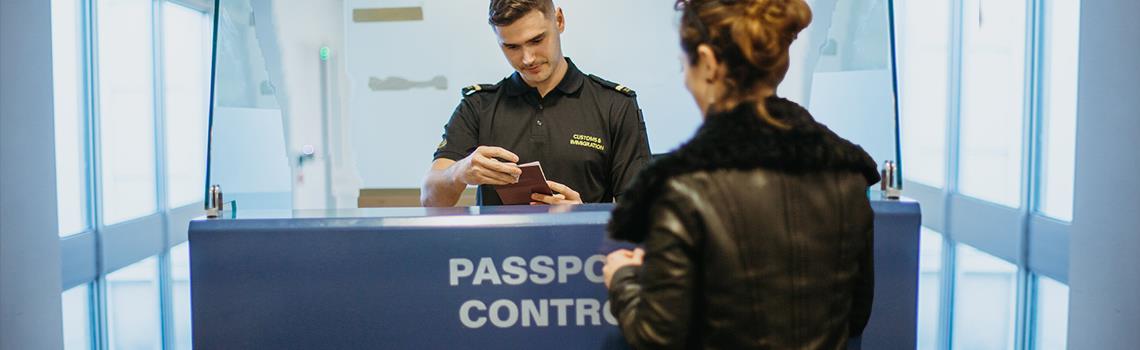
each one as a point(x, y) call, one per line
point(571, 82)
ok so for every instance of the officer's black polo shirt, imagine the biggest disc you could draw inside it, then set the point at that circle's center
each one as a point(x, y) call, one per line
point(586, 133)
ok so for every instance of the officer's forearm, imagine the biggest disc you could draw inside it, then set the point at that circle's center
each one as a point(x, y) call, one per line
point(440, 189)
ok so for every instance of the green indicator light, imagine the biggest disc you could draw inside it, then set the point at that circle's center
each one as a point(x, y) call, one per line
point(324, 53)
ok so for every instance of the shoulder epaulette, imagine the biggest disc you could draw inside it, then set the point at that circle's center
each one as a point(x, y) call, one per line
point(471, 90)
point(612, 85)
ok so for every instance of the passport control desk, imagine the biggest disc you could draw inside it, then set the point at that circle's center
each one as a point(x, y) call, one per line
point(448, 278)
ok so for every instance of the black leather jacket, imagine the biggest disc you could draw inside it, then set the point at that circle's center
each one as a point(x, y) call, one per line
point(767, 246)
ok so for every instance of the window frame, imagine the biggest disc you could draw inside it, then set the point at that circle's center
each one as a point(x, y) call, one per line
point(84, 109)
point(87, 257)
point(1025, 236)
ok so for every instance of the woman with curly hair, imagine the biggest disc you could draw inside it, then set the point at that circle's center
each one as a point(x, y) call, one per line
point(757, 232)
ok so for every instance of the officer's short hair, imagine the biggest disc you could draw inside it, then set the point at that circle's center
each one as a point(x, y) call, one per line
point(505, 12)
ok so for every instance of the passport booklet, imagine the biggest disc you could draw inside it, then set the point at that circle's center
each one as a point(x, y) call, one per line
point(532, 180)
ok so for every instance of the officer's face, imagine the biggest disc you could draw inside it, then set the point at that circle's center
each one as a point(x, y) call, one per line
point(532, 45)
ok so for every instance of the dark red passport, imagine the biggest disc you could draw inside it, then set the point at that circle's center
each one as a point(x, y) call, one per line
point(531, 181)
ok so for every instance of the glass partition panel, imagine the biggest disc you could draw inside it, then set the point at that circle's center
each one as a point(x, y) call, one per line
point(247, 129)
point(314, 100)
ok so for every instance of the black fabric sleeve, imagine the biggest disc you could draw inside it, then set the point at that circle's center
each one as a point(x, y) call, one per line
point(631, 147)
point(653, 302)
point(461, 134)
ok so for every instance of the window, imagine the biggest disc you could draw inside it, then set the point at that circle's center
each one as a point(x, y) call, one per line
point(984, 301)
point(1052, 310)
point(924, 78)
point(1059, 107)
point(67, 81)
point(1008, 142)
point(77, 318)
point(186, 67)
point(133, 307)
point(109, 129)
point(126, 109)
point(992, 100)
point(929, 288)
point(180, 287)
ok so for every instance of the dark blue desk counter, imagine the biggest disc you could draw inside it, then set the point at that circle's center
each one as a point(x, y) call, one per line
point(475, 277)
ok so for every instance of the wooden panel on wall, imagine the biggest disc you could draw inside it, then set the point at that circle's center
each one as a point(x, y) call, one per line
point(403, 197)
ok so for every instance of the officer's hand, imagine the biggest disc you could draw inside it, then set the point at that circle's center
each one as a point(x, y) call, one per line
point(562, 195)
point(481, 167)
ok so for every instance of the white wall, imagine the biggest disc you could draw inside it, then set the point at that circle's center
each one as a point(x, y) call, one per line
point(1104, 249)
point(29, 242)
point(301, 29)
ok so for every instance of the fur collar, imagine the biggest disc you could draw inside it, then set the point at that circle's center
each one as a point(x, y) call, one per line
point(739, 139)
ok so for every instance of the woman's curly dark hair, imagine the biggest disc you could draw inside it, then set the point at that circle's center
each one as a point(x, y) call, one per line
point(750, 37)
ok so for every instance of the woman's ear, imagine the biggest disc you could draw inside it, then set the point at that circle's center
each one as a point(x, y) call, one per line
point(707, 64)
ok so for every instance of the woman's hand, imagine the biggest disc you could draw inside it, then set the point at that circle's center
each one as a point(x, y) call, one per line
point(621, 258)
